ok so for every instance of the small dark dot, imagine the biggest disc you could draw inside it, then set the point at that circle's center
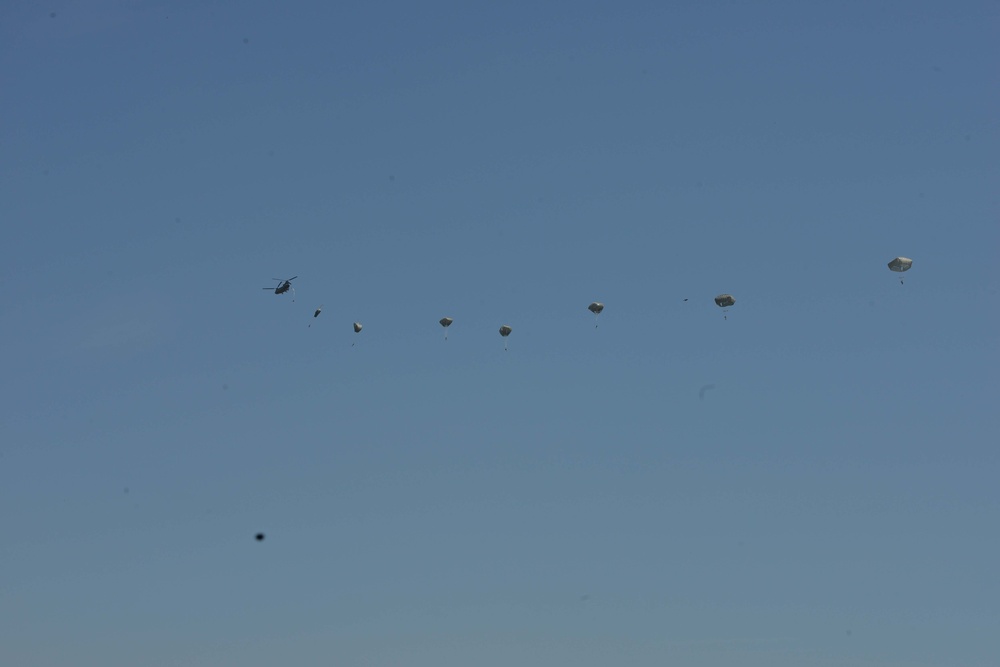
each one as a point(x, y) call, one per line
point(259, 537)
point(52, 15)
point(246, 40)
point(392, 177)
point(177, 220)
point(968, 137)
point(126, 489)
point(225, 387)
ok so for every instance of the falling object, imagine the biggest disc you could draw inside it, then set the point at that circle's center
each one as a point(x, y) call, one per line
point(725, 301)
point(900, 265)
point(596, 308)
point(316, 314)
point(505, 331)
point(445, 322)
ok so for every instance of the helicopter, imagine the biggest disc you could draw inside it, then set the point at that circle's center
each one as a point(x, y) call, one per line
point(283, 286)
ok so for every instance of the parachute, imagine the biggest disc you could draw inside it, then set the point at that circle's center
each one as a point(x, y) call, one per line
point(725, 301)
point(316, 314)
point(505, 331)
point(445, 322)
point(596, 309)
point(899, 265)
point(357, 329)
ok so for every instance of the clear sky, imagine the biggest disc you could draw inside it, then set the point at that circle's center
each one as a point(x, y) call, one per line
point(582, 499)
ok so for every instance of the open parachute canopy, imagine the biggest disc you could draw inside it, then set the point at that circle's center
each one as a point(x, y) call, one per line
point(357, 327)
point(725, 300)
point(445, 322)
point(596, 307)
point(505, 331)
point(900, 264)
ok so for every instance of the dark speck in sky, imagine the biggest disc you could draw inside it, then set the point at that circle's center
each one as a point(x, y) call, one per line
point(392, 177)
point(52, 15)
point(246, 40)
point(225, 387)
point(701, 392)
point(259, 537)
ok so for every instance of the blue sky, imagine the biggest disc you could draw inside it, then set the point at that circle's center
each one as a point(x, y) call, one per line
point(572, 501)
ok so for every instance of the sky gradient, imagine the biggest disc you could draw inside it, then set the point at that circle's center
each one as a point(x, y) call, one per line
point(577, 500)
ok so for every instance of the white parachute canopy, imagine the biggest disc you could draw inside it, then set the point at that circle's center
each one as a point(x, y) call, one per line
point(505, 331)
point(445, 322)
point(899, 265)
